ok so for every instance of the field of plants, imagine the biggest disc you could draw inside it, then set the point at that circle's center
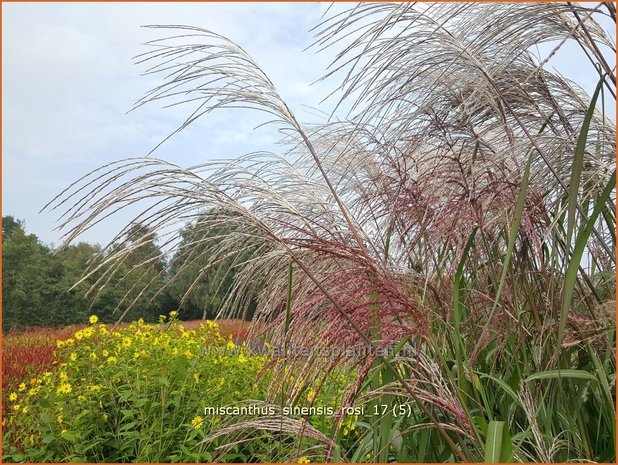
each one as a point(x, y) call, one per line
point(140, 393)
point(31, 352)
point(97, 395)
point(430, 277)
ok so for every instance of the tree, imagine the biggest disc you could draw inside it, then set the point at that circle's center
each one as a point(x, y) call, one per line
point(10, 224)
point(203, 290)
point(116, 288)
point(44, 287)
point(34, 282)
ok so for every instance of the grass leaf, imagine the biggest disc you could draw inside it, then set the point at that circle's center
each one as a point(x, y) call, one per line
point(552, 374)
point(498, 448)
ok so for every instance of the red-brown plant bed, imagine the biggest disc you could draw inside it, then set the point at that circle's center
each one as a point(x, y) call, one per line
point(238, 329)
point(30, 352)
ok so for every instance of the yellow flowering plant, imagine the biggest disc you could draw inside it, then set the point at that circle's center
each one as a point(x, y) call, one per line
point(147, 384)
point(108, 385)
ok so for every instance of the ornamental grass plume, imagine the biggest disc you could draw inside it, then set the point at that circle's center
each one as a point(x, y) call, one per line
point(449, 211)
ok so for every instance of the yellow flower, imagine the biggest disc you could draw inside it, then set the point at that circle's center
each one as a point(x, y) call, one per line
point(242, 359)
point(16, 407)
point(126, 342)
point(230, 344)
point(173, 314)
point(311, 395)
point(197, 422)
point(220, 383)
point(103, 329)
point(112, 360)
point(31, 439)
point(69, 342)
point(22, 387)
point(94, 388)
point(162, 318)
point(105, 417)
point(93, 356)
point(88, 332)
point(13, 396)
point(196, 377)
point(25, 409)
point(73, 356)
point(81, 398)
point(93, 319)
point(59, 419)
point(63, 377)
point(105, 353)
point(60, 344)
point(303, 460)
point(64, 388)
point(136, 354)
point(33, 392)
point(79, 335)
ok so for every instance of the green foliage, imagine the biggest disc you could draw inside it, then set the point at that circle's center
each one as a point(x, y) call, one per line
point(38, 283)
point(112, 400)
point(202, 290)
point(34, 282)
point(498, 443)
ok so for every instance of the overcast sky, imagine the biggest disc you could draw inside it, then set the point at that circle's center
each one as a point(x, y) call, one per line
point(69, 79)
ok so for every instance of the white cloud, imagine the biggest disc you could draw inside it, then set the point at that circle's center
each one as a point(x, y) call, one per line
point(68, 81)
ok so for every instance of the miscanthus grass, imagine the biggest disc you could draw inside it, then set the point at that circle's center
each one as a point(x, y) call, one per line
point(461, 216)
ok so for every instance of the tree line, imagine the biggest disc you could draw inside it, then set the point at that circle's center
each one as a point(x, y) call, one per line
point(38, 281)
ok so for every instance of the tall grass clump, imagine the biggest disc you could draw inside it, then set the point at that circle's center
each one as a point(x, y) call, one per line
point(455, 233)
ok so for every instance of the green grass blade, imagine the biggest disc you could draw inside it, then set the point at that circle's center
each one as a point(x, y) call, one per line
point(552, 374)
point(288, 303)
point(498, 446)
point(519, 208)
point(505, 387)
point(386, 428)
point(493, 444)
point(578, 163)
point(570, 279)
point(458, 287)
